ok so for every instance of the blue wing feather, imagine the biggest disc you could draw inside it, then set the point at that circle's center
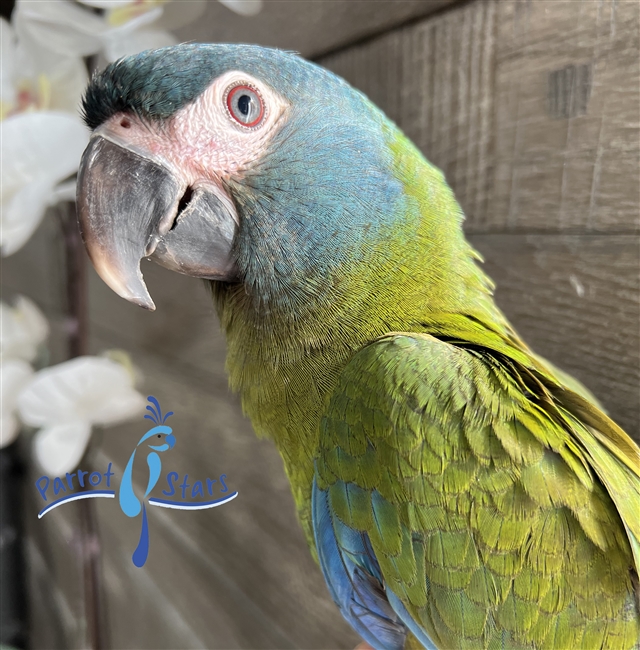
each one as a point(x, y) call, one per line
point(353, 577)
point(410, 622)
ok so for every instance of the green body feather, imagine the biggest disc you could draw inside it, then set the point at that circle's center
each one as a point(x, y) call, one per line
point(501, 503)
point(482, 474)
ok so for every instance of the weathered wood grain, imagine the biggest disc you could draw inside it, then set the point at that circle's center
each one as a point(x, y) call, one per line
point(567, 106)
point(52, 621)
point(55, 579)
point(311, 27)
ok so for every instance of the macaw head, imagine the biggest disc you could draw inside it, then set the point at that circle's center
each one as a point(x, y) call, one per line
point(266, 173)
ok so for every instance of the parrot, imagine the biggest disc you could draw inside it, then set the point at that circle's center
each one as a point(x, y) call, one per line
point(456, 489)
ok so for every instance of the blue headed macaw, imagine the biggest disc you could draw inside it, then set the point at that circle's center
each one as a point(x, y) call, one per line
point(457, 490)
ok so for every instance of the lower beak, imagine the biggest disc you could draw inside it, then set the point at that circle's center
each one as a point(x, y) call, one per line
point(130, 207)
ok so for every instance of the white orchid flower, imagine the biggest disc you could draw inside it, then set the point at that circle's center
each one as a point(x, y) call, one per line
point(42, 134)
point(125, 26)
point(35, 77)
point(66, 400)
point(243, 7)
point(14, 375)
point(172, 15)
point(67, 27)
point(39, 151)
point(23, 328)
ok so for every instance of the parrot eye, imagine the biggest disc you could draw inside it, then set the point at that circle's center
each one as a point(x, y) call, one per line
point(245, 105)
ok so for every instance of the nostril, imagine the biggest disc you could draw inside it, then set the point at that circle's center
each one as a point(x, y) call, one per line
point(182, 204)
point(125, 123)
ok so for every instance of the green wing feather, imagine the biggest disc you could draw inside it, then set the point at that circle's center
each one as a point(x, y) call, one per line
point(501, 506)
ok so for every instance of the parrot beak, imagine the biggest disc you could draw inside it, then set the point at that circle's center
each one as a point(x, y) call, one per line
point(131, 206)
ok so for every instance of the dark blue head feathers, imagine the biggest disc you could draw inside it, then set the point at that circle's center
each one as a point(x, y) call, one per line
point(153, 84)
point(156, 83)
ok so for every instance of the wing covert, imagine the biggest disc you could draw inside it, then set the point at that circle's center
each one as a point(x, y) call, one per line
point(489, 524)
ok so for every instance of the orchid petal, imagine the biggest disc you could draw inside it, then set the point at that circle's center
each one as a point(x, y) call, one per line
point(63, 192)
point(23, 215)
point(243, 7)
point(68, 79)
point(65, 27)
point(40, 144)
point(117, 46)
point(39, 150)
point(34, 322)
point(9, 428)
point(14, 376)
point(60, 447)
point(7, 63)
point(134, 21)
point(34, 62)
point(120, 408)
point(88, 389)
point(23, 329)
point(178, 14)
point(105, 4)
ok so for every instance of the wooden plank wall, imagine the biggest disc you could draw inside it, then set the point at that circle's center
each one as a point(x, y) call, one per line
point(532, 109)
point(312, 27)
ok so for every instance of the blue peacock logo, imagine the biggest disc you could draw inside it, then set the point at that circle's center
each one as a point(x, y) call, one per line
point(156, 440)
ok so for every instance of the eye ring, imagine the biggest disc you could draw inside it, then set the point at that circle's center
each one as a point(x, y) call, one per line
point(245, 105)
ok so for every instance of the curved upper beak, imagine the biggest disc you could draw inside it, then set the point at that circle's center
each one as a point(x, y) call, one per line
point(131, 206)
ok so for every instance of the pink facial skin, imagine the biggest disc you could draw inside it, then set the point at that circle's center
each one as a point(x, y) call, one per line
point(203, 142)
